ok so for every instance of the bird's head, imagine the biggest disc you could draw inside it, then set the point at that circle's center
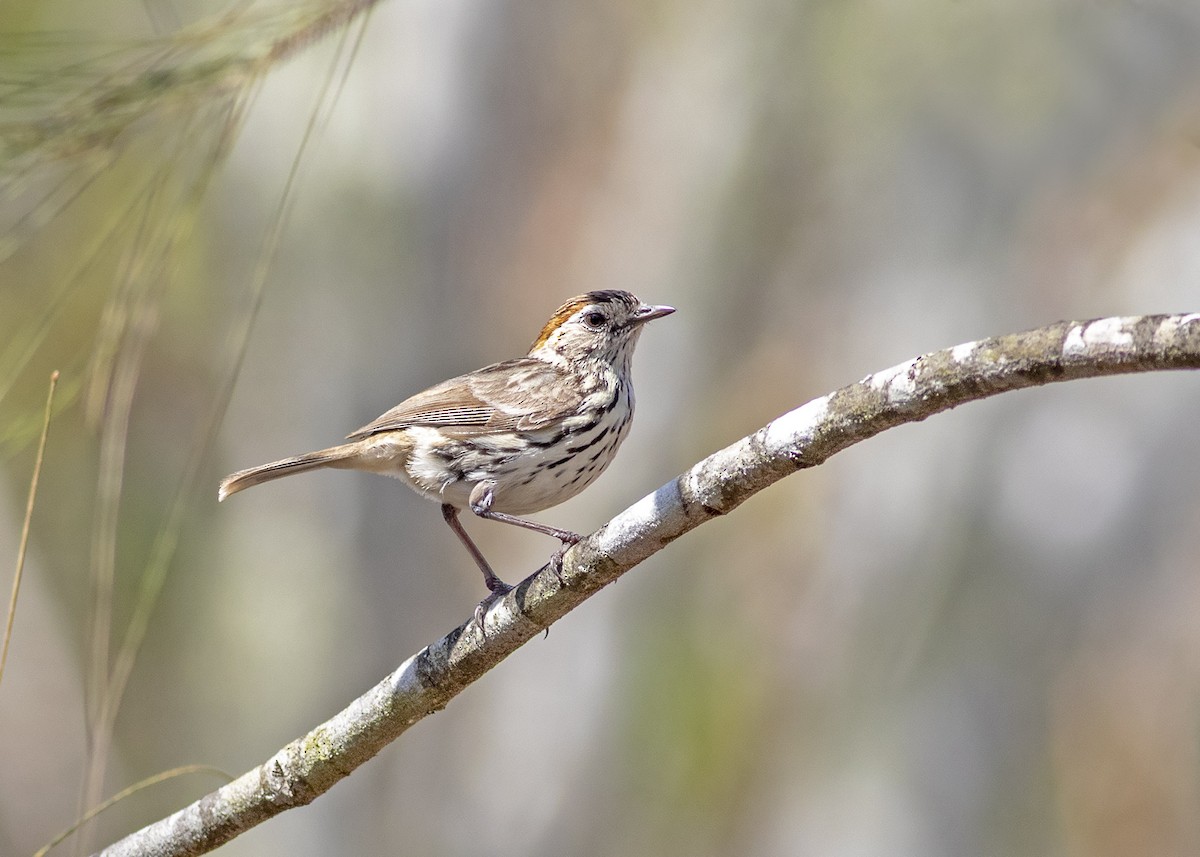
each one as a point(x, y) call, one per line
point(602, 325)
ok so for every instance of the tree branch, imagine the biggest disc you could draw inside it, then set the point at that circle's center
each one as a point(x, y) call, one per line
point(805, 437)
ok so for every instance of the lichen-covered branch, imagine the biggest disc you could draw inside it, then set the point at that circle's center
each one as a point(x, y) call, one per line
point(805, 437)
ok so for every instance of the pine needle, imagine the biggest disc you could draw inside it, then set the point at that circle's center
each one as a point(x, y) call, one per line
point(33, 486)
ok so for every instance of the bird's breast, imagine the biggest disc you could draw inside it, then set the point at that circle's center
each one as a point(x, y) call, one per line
point(531, 470)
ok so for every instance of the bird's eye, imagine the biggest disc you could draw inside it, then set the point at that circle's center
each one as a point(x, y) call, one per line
point(594, 320)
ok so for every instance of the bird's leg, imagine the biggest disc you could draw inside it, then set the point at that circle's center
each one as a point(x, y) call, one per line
point(494, 584)
point(481, 499)
point(481, 504)
point(497, 588)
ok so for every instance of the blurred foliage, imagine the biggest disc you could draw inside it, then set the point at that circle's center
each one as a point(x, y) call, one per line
point(973, 635)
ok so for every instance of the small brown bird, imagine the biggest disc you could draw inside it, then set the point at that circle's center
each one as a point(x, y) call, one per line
point(511, 438)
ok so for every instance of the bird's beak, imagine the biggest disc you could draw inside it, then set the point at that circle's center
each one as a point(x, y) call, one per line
point(646, 313)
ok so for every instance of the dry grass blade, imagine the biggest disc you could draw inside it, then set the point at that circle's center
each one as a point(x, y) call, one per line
point(33, 485)
point(164, 546)
point(88, 120)
point(154, 780)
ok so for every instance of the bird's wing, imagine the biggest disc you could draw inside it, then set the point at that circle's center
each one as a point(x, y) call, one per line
point(523, 395)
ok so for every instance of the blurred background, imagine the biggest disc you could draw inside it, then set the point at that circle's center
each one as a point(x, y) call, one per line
point(974, 635)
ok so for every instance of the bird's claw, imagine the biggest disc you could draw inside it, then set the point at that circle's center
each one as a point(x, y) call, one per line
point(499, 590)
point(569, 540)
point(556, 565)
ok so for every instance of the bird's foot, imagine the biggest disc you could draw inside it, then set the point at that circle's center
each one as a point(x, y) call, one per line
point(569, 540)
point(498, 590)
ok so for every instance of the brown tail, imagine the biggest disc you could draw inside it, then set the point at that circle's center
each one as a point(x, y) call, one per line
point(333, 457)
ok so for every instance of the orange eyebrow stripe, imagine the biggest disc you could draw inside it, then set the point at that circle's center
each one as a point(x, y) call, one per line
point(561, 314)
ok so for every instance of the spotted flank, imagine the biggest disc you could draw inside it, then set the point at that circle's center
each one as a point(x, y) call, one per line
point(532, 469)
